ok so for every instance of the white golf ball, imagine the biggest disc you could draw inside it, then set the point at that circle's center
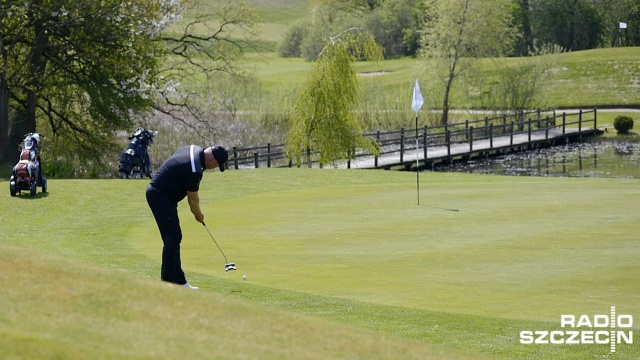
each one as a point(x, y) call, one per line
point(244, 277)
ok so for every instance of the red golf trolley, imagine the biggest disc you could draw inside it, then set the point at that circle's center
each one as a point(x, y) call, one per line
point(27, 174)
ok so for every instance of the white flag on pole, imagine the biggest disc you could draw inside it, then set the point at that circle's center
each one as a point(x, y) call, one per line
point(623, 25)
point(417, 102)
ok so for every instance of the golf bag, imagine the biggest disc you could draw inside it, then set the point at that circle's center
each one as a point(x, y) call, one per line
point(135, 159)
point(27, 174)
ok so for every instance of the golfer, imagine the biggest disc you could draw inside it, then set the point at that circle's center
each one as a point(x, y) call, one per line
point(177, 177)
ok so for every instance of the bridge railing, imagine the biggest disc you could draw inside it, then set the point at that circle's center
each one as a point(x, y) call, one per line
point(404, 140)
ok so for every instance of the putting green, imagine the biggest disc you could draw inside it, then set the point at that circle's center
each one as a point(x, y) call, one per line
point(517, 248)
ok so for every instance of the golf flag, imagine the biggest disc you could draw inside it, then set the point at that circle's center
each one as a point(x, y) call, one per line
point(623, 25)
point(417, 102)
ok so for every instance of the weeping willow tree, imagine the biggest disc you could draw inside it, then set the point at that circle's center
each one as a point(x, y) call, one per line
point(323, 118)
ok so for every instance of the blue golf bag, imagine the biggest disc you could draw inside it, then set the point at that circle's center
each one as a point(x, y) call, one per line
point(134, 161)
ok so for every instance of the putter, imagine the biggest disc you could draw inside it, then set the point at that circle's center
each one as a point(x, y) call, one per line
point(227, 266)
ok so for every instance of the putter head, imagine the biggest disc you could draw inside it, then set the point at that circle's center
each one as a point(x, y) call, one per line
point(229, 266)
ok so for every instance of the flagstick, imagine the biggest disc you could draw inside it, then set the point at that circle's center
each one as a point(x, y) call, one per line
point(417, 161)
point(416, 104)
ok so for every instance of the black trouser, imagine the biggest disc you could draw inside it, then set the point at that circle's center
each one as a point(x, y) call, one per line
point(165, 211)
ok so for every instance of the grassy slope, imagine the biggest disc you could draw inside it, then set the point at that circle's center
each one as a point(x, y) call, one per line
point(350, 246)
point(581, 79)
point(57, 308)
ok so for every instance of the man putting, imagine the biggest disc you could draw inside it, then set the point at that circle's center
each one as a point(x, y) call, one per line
point(177, 177)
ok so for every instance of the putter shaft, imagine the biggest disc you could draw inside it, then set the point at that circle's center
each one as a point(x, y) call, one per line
point(214, 240)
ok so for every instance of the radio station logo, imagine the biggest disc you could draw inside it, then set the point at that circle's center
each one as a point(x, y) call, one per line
point(612, 329)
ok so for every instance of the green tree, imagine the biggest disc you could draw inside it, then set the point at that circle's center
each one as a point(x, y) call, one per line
point(521, 16)
point(80, 66)
point(323, 118)
point(326, 19)
point(395, 25)
point(523, 85)
point(570, 24)
point(614, 12)
point(81, 71)
point(204, 46)
point(457, 31)
point(291, 43)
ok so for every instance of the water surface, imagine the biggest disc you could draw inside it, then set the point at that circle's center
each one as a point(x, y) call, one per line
point(597, 158)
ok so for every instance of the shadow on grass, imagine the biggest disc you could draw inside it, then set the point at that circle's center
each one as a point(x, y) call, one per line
point(26, 196)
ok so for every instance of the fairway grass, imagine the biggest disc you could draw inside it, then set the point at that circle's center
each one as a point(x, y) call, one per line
point(353, 247)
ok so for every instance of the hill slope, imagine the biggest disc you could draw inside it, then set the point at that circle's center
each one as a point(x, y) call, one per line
point(57, 308)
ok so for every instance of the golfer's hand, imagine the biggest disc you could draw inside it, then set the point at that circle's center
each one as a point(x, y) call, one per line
point(199, 217)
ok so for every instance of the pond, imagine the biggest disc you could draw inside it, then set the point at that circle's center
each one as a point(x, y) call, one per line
point(597, 158)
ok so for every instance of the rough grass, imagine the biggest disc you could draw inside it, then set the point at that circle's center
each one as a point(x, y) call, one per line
point(581, 79)
point(348, 246)
point(57, 308)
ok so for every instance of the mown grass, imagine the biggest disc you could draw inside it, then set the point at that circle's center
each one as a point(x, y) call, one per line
point(348, 246)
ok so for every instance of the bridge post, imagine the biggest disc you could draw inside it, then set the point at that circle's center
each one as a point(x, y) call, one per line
point(424, 138)
point(491, 136)
point(564, 123)
point(466, 129)
point(378, 141)
point(470, 139)
point(546, 129)
point(255, 160)
point(235, 157)
point(511, 138)
point(447, 135)
point(401, 145)
point(580, 125)
point(268, 155)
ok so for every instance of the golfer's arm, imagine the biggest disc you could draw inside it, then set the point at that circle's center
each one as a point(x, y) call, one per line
point(194, 204)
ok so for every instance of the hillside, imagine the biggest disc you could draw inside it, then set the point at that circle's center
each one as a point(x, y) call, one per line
point(54, 307)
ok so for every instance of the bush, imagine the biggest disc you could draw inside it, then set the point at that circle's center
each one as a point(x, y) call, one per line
point(291, 44)
point(623, 124)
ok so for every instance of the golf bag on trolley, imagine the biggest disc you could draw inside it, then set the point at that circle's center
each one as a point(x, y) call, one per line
point(135, 159)
point(27, 174)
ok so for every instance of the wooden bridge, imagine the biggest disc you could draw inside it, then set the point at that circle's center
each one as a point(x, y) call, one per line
point(429, 146)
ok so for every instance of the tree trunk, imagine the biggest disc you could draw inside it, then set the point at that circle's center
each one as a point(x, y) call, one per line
point(444, 120)
point(17, 129)
point(445, 105)
point(4, 104)
point(37, 65)
point(4, 121)
point(527, 34)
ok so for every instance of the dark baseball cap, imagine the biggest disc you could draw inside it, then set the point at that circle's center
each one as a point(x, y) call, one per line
point(221, 155)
